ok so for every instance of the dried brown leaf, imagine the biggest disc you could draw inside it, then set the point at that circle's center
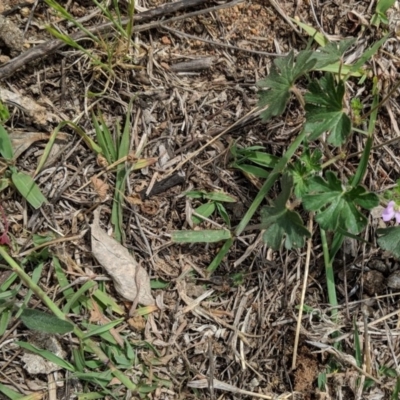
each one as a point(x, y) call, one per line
point(100, 187)
point(36, 112)
point(130, 279)
point(22, 140)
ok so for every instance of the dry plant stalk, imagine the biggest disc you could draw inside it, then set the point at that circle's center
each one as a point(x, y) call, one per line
point(130, 279)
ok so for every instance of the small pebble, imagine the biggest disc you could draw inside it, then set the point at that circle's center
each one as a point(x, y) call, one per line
point(394, 280)
point(374, 282)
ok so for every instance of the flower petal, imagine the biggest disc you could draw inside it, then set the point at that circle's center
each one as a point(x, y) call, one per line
point(397, 215)
point(388, 213)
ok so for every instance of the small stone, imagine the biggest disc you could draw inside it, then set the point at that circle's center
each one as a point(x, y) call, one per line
point(394, 280)
point(378, 265)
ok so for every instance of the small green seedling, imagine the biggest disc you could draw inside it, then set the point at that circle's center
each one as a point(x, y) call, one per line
point(215, 203)
point(381, 9)
point(23, 182)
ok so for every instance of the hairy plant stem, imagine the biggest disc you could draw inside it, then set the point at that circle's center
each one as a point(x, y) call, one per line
point(25, 278)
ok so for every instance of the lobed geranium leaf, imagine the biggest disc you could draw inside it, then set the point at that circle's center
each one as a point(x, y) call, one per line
point(324, 110)
point(281, 223)
point(332, 52)
point(390, 240)
point(337, 205)
point(279, 82)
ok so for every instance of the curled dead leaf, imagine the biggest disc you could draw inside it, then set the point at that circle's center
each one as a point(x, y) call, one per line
point(100, 187)
point(134, 199)
point(130, 279)
point(150, 207)
point(101, 161)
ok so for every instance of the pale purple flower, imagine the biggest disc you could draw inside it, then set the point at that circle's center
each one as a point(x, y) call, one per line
point(390, 212)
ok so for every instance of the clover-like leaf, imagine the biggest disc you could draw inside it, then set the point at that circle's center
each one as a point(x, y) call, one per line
point(324, 110)
point(279, 82)
point(390, 240)
point(280, 222)
point(337, 206)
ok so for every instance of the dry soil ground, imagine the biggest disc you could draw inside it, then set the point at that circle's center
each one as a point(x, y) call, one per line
point(191, 79)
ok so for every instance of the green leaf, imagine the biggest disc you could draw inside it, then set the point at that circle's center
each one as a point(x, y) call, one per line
point(257, 157)
point(220, 256)
point(105, 139)
point(4, 113)
point(204, 236)
point(251, 170)
point(368, 53)
point(219, 196)
point(223, 213)
point(159, 284)
point(48, 356)
point(195, 194)
point(108, 301)
point(214, 196)
point(205, 210)
point(11, 394)
point(6, 149)
point(317, 36)
point(303, 168)
point(380, 12)
point(40, 321)
point(4, 183)
point(337, 205)
point(324, 110)
point(332, 52)
point(383, 5)
point(279, 222)
point(28, 189)
point(279, 82)
point(99, 330)
point(390, 240)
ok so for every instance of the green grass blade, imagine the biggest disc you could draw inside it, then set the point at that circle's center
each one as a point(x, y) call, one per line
point(368, 53)
point(220, 256)
point(11, 394)
point(6, 149)
point(27, 187)
point(104, 138)
point(204, 236)
point(5, 317)
point(89, 142)
point(363, 164)
point(274, 175)
point(321, 39)
point(98, 330)
point(47, 355)
point(87, 286)
point(121, 176)
point(330, 277)
point(36, 275)
point(108, 302)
